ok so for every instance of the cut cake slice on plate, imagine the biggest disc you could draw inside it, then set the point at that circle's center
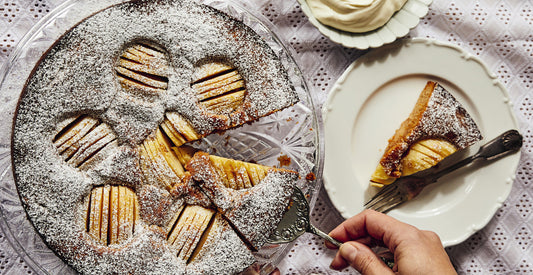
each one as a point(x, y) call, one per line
point(437, 127)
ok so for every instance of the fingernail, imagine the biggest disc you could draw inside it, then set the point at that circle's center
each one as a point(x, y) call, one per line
point(348, 252)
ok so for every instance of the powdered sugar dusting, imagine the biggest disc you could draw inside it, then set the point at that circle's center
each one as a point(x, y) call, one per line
point(444, 118)
point(77, 76)
point(256, 211)
point(215, 257)
point(447, 118)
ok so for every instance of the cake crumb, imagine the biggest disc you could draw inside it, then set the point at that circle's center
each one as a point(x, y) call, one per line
point(284, 160)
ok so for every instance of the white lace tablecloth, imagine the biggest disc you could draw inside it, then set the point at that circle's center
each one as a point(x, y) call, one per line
point(500, 32)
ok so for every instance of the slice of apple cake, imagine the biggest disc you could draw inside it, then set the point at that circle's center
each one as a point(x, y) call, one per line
point(437, 127)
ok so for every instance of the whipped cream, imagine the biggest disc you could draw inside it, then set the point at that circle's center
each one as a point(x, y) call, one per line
point(354, 15)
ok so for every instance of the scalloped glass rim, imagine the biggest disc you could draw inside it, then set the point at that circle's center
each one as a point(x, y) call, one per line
point(41, 36)
point(398, 26)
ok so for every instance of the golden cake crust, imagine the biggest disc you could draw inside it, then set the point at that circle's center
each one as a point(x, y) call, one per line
point(98, 153)
point(436, 115)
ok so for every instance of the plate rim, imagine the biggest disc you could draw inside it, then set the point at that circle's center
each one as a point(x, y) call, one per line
point(327, 107)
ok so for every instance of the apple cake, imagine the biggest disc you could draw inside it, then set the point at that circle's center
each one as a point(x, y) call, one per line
point(101, 142)
point(437, 127)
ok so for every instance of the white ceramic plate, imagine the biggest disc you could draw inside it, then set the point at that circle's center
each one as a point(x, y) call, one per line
point(398, 26)
point(368, 103)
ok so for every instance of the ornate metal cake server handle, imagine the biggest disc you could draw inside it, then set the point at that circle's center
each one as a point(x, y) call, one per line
point(295, 222)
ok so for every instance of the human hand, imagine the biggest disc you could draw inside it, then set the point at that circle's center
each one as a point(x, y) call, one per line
point(415, 251)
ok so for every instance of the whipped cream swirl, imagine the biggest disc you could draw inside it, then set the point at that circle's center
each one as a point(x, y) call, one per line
point(354, 15)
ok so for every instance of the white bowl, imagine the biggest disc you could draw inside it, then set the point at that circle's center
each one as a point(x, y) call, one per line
point(398, 26)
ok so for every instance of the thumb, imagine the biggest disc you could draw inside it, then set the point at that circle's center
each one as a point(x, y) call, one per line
point(363, 259)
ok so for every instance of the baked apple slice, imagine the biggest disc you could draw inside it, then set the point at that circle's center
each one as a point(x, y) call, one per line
point(143, 67)
point(111, 212)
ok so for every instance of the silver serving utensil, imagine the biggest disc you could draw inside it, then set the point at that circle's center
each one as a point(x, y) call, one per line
point(295, 222)
point(406, 188)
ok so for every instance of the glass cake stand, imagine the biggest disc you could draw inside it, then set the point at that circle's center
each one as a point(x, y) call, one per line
point(292, 134)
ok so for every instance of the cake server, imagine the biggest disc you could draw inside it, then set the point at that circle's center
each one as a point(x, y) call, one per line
point(406, 188)
point(295, 222)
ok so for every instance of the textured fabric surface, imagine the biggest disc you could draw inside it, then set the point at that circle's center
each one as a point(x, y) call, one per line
point(500, 32)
